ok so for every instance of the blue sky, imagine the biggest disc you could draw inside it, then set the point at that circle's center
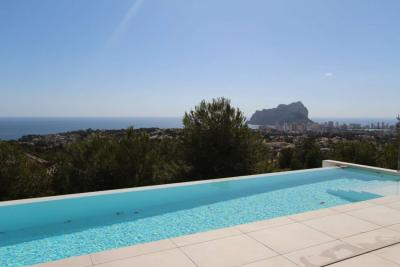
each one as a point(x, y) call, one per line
point(161, 57)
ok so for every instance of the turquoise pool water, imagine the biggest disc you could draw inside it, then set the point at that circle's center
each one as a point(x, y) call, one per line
point(38, 232)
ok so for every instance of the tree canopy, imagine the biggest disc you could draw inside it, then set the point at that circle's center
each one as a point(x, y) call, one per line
point(214, 142)
point(218, 143)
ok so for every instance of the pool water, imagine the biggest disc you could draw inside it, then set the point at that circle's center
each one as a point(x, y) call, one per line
point(169, 212)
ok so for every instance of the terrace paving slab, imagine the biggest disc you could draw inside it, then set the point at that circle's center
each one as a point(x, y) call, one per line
point(132, 251)
point(205, 236)
point(385, 200)
point(367, 260)
point(395, 227)
point(393, 205)
point(278, 261)
point(391, 253)
point(226, 252)
point(255, 226)
point(291, 237)
point(80, 261)
point(323, 254)
point(341, 225)
point(312, 214)
point(373, 239)
point(353, 206)
point(380, 215)
point(167, 258)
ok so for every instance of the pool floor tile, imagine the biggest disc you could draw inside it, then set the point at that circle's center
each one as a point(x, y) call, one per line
point(167, 258)
point(323, 254)
point(291, 237)
point(373, 239)
point(277, 261)
point(132, 251)
point(341, 225)
point(380, 215)
point(226, 252)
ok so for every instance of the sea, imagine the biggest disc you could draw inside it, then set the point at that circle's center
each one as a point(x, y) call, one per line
point(16, 127)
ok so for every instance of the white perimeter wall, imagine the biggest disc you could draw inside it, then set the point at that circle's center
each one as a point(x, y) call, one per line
point(334, 163)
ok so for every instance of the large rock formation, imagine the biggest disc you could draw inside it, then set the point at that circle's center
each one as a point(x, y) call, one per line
point(293, 113)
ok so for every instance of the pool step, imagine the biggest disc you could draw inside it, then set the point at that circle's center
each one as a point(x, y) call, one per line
point(353, 196)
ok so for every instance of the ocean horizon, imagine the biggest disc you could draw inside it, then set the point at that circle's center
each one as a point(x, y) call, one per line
point(13, 128)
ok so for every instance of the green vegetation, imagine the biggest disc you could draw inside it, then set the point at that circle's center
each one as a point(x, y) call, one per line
point(19, 176)
point(304, 156)
point(218, 143)
point(308, 154)
point(215, 142)
point(101, 164)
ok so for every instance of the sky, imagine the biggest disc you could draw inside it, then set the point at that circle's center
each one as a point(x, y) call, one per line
point(160, 58)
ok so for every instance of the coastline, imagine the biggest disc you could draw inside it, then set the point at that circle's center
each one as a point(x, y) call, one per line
point(17, 127)
point(13, 128)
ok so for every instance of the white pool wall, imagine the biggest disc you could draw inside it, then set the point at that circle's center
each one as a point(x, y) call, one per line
point(334, 163)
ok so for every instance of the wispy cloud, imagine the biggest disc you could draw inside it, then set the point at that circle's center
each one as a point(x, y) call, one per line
point(125, 22)
point(328, 74)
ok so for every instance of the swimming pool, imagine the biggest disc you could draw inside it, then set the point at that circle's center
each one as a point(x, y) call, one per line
point(41, 230)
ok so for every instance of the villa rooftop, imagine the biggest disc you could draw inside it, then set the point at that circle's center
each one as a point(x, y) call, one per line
point(364, 234)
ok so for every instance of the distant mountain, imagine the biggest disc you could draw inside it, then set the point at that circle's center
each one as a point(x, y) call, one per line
point(293, 113)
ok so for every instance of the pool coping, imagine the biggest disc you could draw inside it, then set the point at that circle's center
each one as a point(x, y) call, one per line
point(334, 163)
